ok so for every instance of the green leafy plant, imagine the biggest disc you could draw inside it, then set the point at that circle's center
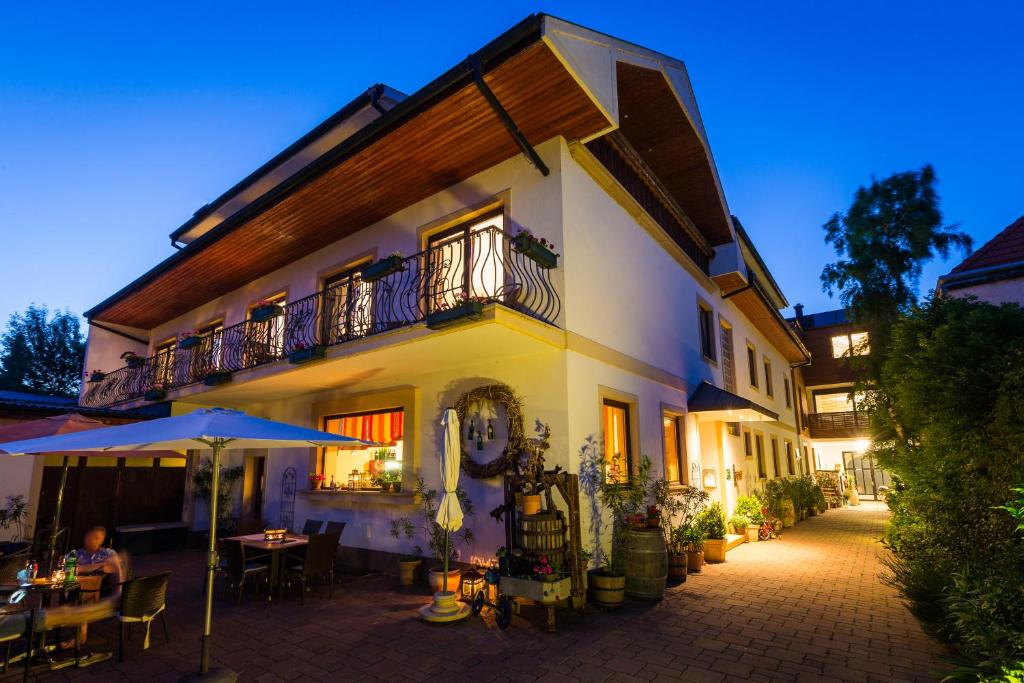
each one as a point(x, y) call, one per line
point(1015, 508)
point(15, 514)
point(202, 486)
point(739, 522)
point(711, 521)
point(425, 525)
point(750, 507)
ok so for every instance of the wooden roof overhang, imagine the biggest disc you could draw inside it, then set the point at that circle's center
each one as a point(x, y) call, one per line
point(441, 135)
point(656, 124)
point(756, 306)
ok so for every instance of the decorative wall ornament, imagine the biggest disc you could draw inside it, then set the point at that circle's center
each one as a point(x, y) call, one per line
point(501, 395)
point(288, 483)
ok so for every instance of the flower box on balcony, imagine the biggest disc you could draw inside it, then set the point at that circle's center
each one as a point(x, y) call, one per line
point(186, 343)
point(217, 377)
point(465, 310)
point(531, 248)
point(97, 376)
point(265, 312)
point(381, 268)
point(135, 362)
point(306, 354)
point(155, 394)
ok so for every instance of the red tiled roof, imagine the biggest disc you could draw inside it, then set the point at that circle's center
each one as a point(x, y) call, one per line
point(1006, 247)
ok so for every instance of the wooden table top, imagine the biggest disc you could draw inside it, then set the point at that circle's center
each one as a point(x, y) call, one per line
point(257, 541)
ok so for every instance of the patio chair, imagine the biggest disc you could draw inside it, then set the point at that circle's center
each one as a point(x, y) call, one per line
point(338, 528)
point(143, 599)
point(250, 525)
point(318, 562)
point(10, 565)
point(312, 526)
point(243, 565)
point(12, 627)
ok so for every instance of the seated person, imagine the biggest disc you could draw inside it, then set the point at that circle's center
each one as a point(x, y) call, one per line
point(93, 563)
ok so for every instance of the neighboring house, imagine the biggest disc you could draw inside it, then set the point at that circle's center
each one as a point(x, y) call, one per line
point(29, 475)
point(993, 273)
point(836, 421)
point(656, 331)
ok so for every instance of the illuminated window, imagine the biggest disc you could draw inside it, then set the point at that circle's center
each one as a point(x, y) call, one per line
point(163, 363)
point(775, 458)
point(838, 401)
point(618, 458)
point(705, 319)
point(209, 349)
point(366, 468)
point(466, 260)
point(266, 341)
point(790, 461)
point(675, 465)
point(347, 306)
point(855, 342)
point(759, 442)
point(768, 386)
point(752, 365)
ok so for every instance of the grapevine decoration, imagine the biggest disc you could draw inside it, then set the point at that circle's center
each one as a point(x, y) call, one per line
point(502, 395)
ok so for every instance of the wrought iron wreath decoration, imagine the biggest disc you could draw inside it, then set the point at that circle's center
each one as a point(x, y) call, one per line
point(503, 395)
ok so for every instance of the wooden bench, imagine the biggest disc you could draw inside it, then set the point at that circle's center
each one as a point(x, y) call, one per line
point(139, 539)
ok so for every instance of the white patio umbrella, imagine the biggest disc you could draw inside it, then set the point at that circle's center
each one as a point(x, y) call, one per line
point(213, 428)
point(449, 517)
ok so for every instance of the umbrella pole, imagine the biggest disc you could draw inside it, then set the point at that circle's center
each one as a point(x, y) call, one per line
point(211, 557)
point(55, 527)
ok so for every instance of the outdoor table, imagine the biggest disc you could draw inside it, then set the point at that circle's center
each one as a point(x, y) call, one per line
point(276, 550)
point(45, 591)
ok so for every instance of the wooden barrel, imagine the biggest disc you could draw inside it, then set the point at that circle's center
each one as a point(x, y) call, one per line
point(677, 567)
point(646, 564)
point(607, 590)
point(543, 534)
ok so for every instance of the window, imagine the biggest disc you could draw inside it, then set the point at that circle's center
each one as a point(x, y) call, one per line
point(728, 360)
point(838, 401)
point(366, 468)
point(759, 442)
point(675, 461)
point(163, 363)
point(768, 387)
point(790, 462)
point(706, 318)
point(855, 343)
point(348, 306)
point(752, 365)
point(466, 260)
point(747, 450)
point(776, 470)
point(807, 463)
point(267, 339)
point(785, 388)
point(618, 456)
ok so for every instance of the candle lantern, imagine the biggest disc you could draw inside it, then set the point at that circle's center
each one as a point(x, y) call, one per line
point(353, 480)
point(472, 583)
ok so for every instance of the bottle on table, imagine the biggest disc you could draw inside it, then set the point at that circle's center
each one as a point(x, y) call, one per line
point(71, 567)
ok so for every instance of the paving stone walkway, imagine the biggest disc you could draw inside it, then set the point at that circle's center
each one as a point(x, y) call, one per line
point(808, 607)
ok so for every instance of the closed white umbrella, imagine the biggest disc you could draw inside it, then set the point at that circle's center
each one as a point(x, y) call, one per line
point(213, 428)
point(449, 517)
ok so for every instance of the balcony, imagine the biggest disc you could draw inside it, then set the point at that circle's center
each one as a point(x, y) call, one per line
point(842, 425)
point(488, 266)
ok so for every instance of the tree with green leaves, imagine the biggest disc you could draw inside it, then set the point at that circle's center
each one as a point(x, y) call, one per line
point(892, 228)
point(41, 353)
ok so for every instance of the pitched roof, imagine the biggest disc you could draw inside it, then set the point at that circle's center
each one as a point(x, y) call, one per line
point(1006, 247)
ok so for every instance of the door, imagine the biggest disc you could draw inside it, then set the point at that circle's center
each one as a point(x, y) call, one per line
point(259, 477)
point(867, 476)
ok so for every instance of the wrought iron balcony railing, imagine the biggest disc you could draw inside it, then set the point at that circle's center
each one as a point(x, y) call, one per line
point(842, 425)
point(484, 266)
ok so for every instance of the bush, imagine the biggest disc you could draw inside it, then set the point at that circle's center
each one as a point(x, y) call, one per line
point(711, 521)
point(739, 523)
point(750, 507)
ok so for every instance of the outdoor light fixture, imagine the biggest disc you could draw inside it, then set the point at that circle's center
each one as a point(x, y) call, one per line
point(472, 583)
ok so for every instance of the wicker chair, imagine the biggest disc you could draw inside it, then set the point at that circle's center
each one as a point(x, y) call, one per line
point(336, 528)
point(318, 562)
point(242, 565)
point(143, 599)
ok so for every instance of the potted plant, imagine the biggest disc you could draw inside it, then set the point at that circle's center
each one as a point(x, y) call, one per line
point(188, 340)
point(424, 523)
point(301, 353)
point(15, 514)
point(543, 570)
point(155, 393)
point(712, 522)
point(97, 376)
point(265, 310)
point(464, 309)
point(739, 524)
point(692, 538)
point(382, 481)
point(133, 360)
point(536, 248)
point(217, 377)
point(315, 481)
point(394, 480)
point(202, 486)
point(383, 267)
point(677, 505)
point(750, 507)
point(407, 566)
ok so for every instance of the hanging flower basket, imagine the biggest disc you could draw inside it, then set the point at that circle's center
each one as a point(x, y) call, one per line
point(97, 376)
point(381, 268)
point(133, 361)
point(465, 310)
point(537, 250)
point(155, 395)
point(265, 312)
point(186, 343)
point(306, 354)
point(217, 377)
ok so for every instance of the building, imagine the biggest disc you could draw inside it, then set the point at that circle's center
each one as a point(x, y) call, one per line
point(836, 423)
point(391, 260)
point(993, 273)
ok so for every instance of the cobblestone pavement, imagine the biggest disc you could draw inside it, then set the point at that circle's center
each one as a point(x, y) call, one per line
point(808, 607)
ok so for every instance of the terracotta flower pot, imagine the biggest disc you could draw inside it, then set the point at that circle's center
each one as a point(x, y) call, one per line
point(752, 531)
point(407, 571)
point(437, 580)
point(694, 560)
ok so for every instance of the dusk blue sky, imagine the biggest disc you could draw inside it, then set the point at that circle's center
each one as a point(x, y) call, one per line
point(117, 122)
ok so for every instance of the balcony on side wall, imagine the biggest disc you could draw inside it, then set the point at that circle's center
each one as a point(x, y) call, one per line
point(435, 286)
point(847, 424)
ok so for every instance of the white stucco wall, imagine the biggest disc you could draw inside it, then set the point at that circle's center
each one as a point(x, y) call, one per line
point(1001, 292)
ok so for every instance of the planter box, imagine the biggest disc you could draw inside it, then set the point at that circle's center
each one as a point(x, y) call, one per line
point(188, 343)
point(264, 313)
point(541, 591)
point(97, 377)
point(135, 362)
point(714, 550)
point(534, 250)
point(307, 354)
point(215, 378)
point(451, 316)
point(381, 268)
point(155, 395)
